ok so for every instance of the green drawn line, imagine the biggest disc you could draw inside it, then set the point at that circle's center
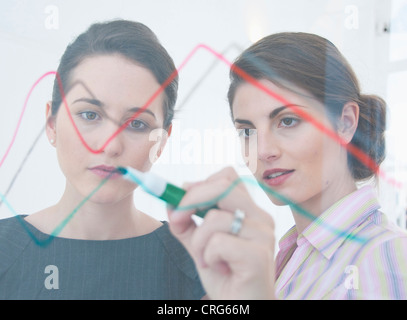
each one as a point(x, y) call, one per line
point(58, 228)
point(283, 199)
point(210, 203)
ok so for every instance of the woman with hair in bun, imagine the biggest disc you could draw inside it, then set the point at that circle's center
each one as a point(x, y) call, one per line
point(296, 97)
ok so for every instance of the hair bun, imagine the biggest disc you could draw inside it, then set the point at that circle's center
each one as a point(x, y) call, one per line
point(369, 136)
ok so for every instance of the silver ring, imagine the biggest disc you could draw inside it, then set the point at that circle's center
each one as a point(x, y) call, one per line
point(237, 222)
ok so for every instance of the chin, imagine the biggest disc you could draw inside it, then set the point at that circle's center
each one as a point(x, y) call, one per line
point(105, 196)
point(103, 199)
point(279, 201)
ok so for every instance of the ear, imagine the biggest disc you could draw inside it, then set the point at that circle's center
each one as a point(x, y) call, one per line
point(348, 122)
point(50, 124)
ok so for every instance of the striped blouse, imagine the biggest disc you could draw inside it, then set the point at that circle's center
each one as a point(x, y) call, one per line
point(350, 252)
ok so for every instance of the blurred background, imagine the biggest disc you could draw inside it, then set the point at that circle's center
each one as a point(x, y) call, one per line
point(372, 34)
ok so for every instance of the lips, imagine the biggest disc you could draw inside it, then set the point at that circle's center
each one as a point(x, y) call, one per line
point(105, 171)
point(276, 177)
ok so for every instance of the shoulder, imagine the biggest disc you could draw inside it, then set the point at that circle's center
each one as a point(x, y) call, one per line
point(14, 238)
point(386, 240)
point(382, 261)
point(176, 251)
point(379, 233)
point(14, 230)
point(383, 231)
point(178, 257)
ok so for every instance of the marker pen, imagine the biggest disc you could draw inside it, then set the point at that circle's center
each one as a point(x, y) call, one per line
point(158, 187)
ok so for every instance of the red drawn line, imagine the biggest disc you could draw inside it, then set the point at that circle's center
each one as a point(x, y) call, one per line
point(359, 154)
point(21, 116)
point(136, 114)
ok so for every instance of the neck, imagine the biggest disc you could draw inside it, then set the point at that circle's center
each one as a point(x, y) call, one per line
point(101, 221)
point(316, 205)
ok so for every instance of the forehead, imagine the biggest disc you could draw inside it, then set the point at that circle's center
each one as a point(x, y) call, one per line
point(265, 96)
point(114, 79)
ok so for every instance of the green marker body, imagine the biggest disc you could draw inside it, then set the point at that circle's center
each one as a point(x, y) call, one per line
point(158, 187)
point(172, 194)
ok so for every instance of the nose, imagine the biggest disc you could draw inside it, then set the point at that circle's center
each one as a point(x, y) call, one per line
point(268, 147)
point(112, 141)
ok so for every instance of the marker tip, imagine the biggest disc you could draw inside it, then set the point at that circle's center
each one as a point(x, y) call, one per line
point(122, 170)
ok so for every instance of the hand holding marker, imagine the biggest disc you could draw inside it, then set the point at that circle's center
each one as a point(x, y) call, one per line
point(158, 187)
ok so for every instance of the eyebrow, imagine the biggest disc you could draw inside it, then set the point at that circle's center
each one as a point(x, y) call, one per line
point(272, 114)
point(93, 101)
point(276, 111)
point(100, 104)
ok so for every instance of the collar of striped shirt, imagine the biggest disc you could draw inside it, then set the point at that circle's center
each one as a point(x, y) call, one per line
point(350, 252)
point(327, 232)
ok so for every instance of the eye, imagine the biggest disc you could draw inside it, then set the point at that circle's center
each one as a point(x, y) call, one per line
point(288, 122)
point(137, 125)
point(89, 115)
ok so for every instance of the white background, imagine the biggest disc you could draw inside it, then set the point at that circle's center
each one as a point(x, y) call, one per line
point(31, 44)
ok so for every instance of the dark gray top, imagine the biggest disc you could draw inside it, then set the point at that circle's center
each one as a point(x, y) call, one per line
point(154, 266)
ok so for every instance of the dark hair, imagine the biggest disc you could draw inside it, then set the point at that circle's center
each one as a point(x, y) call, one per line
point(134, 41)
point(314, 64)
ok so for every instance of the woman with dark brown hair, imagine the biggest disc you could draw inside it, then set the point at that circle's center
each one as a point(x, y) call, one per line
point(295, 97)
point(109, 249)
